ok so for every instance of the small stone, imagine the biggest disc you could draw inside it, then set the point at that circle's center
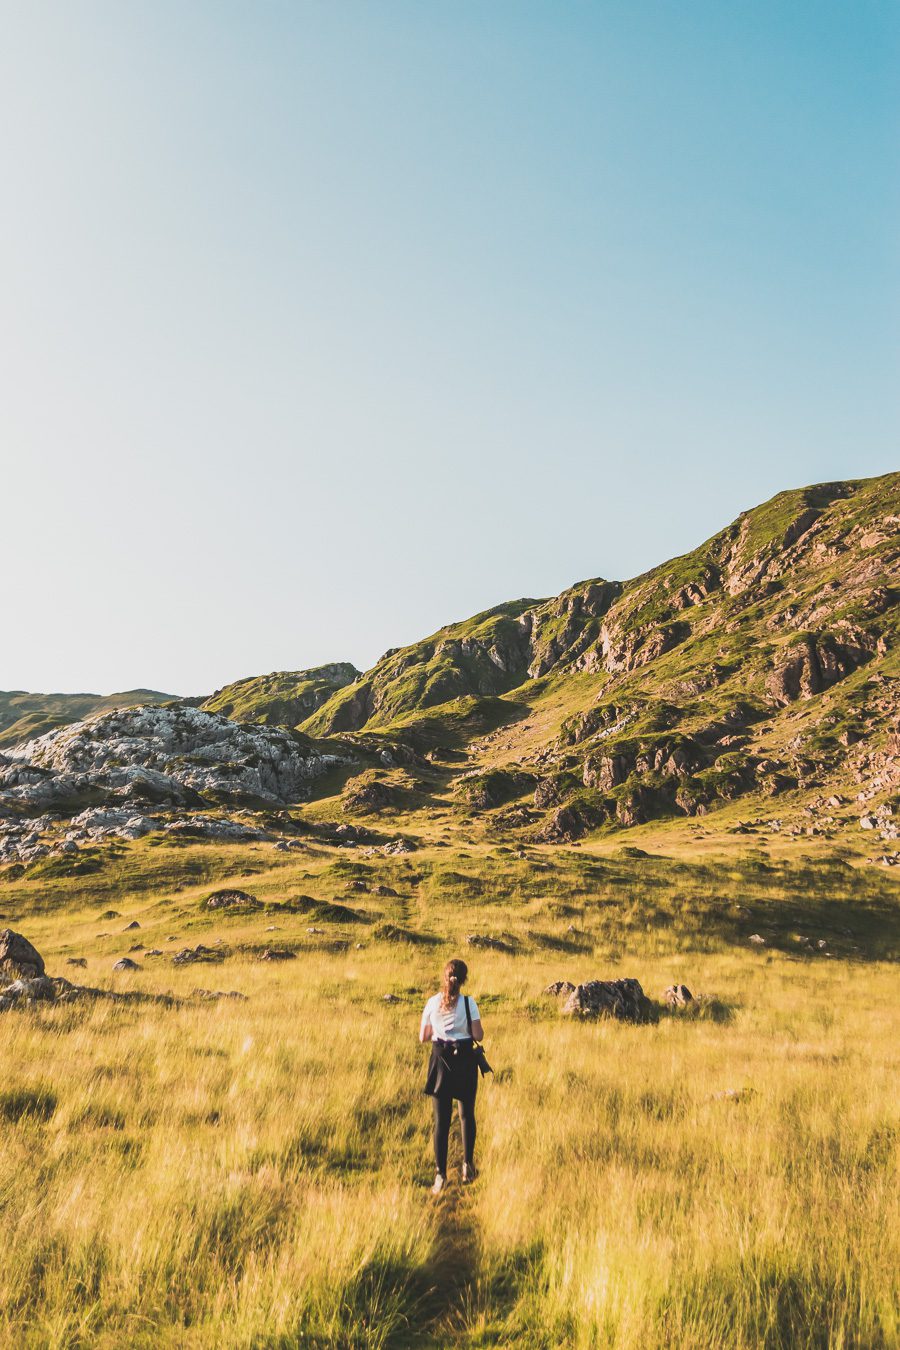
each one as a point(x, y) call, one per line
point(560, 987)
point(76, 961)
point(678, 996)
point(129, 926)
point(757, 940)
point(126, 963)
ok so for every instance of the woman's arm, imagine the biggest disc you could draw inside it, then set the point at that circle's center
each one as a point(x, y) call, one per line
point(477, 1029)
point(425, 1030)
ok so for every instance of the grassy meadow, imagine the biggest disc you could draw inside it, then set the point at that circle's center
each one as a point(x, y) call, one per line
point(254, 1172)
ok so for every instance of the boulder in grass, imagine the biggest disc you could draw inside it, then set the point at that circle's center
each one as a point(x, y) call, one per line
point(18, 959)
point(126, 963)
point(39, 989)
point(559, 987)
point(276, 954)
point(188, 955)
point(232, 899)
point(622, 999)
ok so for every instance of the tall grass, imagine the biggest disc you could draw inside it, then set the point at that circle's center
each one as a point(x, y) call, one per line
point(254, 1174)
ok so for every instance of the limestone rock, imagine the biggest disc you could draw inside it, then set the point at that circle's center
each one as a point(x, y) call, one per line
point(175, 755)
point(126, 963)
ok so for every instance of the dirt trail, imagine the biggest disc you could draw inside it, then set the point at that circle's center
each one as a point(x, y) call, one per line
point(452, 1270)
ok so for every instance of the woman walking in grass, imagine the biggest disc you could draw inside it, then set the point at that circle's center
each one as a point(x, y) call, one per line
point(452, 1024)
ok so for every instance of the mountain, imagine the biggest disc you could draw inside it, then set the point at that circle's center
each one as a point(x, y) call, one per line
point(763, 663)
point(759, 671)
point(24, 715)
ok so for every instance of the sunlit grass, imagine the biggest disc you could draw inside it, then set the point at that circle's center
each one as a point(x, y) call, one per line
point(254, 1173)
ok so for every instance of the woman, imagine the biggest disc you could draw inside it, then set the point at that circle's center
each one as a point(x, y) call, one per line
point(452, 1028)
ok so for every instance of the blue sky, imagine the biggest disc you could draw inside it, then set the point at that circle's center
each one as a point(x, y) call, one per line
point(328, 323)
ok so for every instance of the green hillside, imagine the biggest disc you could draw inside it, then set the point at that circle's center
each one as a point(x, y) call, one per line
point(284, 698)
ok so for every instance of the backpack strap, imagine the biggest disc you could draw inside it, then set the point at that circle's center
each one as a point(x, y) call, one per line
point(468, 1017)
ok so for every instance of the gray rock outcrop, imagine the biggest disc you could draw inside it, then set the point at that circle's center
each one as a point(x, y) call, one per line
point(622, 999)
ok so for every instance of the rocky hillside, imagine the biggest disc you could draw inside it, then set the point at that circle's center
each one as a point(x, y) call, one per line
point(764, 665)
point(24, 716)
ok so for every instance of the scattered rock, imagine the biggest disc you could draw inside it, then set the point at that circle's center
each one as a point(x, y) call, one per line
point(397, 846)
point(188, 955)
point(232, 899)
point(623, 999)
point(484, 940)
point(273, 954)
point(128, 927)
point(76, 961)
point(38, 989)
point(154, 951)
point(126, 963)
point(757, 940)
point(214, 994)
point(678, 996)
point(392, 998)
point(560, 987)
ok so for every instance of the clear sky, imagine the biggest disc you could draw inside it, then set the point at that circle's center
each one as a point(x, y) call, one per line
point(325, 324)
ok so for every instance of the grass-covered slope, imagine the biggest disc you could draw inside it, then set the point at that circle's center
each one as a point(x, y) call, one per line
point(284, 698)
point(24, 716)
point(485, 656)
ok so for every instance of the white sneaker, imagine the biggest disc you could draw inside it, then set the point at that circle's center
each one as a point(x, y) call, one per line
point(469, 1173)
point(439, 1184)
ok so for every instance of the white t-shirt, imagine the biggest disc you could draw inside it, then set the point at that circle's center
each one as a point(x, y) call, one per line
point(449, 1024)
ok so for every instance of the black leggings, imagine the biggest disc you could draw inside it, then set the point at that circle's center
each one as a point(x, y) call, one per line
point(443, 1113)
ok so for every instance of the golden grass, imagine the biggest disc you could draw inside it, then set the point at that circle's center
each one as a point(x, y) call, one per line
point(254, 1173)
